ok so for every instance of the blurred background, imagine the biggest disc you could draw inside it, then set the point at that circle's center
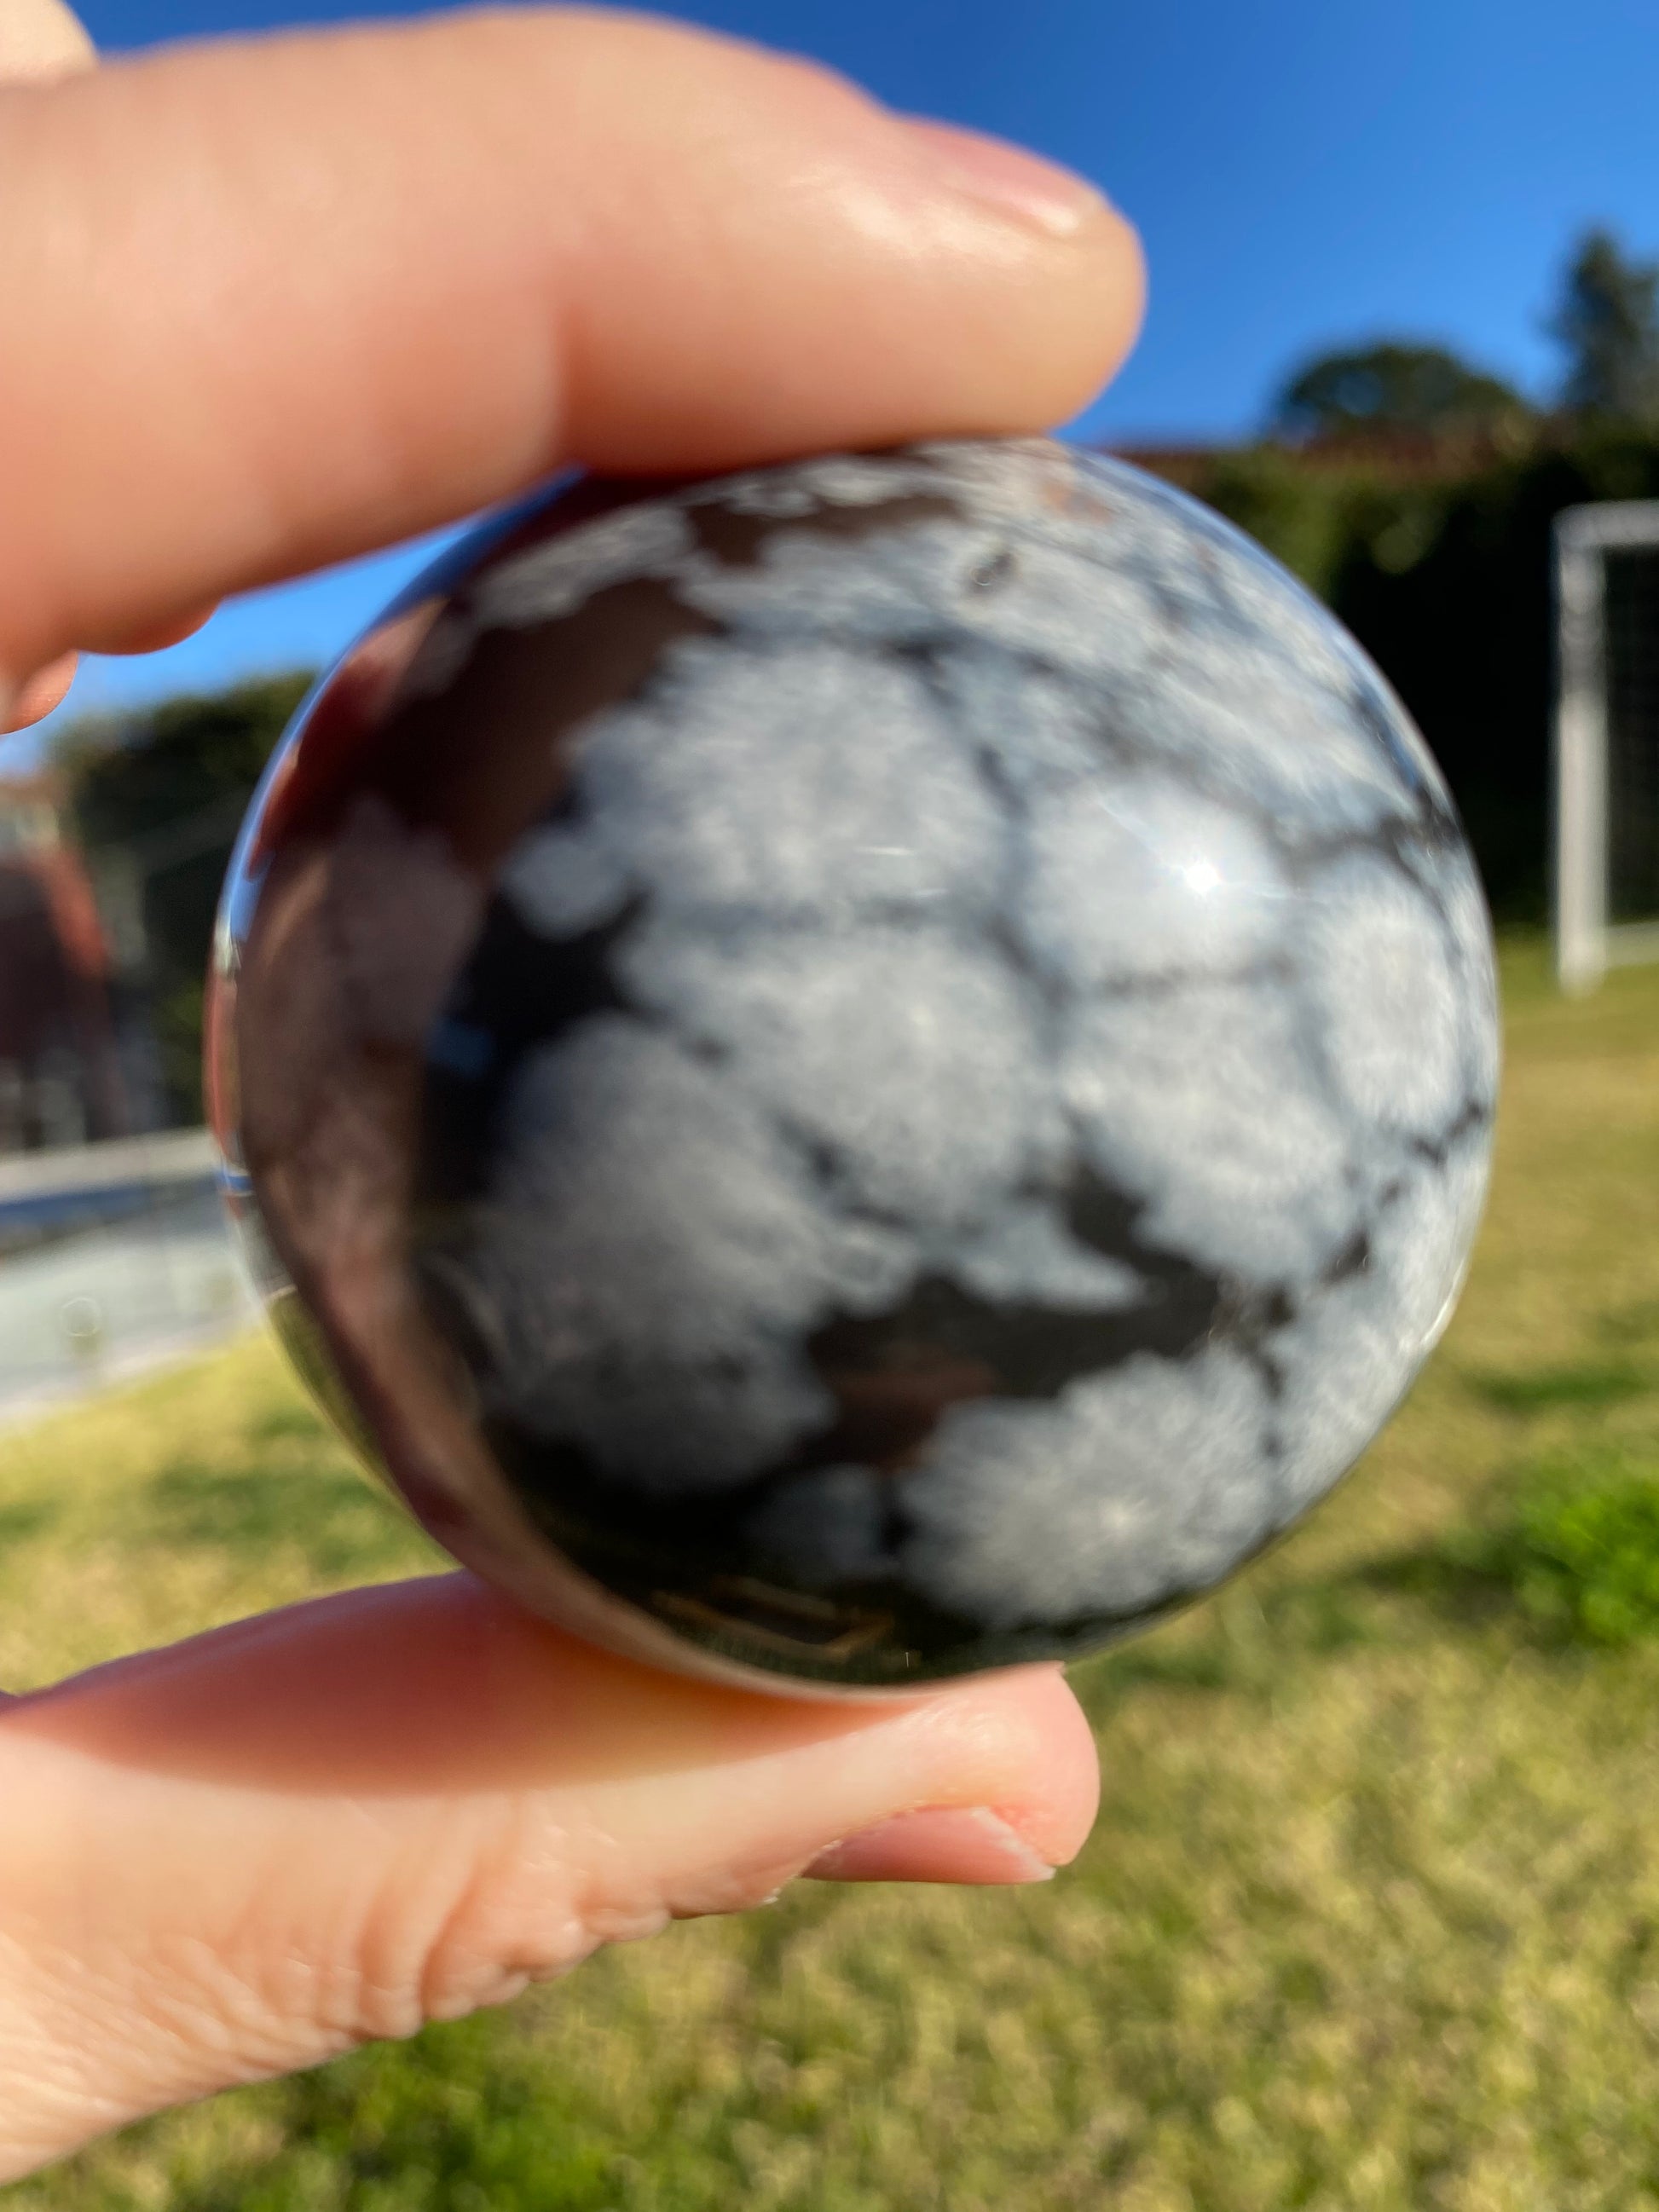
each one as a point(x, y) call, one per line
point(1372, 1918)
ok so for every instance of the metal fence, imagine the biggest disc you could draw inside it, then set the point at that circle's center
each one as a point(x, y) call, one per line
point(114, 1252)
point(114, 1257)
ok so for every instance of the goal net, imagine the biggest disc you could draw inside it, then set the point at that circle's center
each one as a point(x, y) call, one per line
point(1607, 749)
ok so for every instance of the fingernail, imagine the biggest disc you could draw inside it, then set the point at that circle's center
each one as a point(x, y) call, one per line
point(939, 1844)
point(1006, 178)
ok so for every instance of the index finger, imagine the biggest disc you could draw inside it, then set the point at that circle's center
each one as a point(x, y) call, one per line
point(40, 39)
point(275, 303)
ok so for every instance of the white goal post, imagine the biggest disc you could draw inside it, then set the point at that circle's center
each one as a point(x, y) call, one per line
point(1606, 740)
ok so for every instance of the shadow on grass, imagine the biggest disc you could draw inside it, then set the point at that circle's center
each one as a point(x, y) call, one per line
point(1566, 1555)
point(333, 1517)
point(1573, 1552)
point(1584, 1386)
point(1637, 1323)
point(296, 1424)
point(1628, 1368)
point(25, 1517)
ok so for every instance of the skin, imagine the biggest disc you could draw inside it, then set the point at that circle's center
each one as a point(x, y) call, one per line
point(272, 305)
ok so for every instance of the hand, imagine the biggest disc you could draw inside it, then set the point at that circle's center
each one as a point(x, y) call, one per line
point(269, 306)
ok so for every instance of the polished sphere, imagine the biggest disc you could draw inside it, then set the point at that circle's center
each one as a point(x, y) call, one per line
point(868, 1069)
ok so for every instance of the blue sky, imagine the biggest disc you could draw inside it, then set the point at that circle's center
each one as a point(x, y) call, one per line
point(1305, 172)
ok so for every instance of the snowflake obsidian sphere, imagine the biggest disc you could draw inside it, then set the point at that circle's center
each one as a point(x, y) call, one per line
point(869, 1069)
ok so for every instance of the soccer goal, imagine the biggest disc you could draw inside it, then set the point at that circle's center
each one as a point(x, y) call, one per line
point(1606, 740)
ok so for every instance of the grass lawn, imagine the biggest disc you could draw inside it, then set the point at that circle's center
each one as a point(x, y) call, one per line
point(1370, 1921)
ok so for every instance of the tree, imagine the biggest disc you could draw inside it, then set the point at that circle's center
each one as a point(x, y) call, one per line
point(157, 799)
point(1608, 322)
point(1392, 387)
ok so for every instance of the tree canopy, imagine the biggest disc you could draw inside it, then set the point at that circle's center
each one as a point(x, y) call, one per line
point(1393, 386)
point(1608, 322)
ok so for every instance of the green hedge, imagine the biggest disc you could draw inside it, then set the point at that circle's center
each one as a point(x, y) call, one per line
point(1449, 586)
point(165, 790)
